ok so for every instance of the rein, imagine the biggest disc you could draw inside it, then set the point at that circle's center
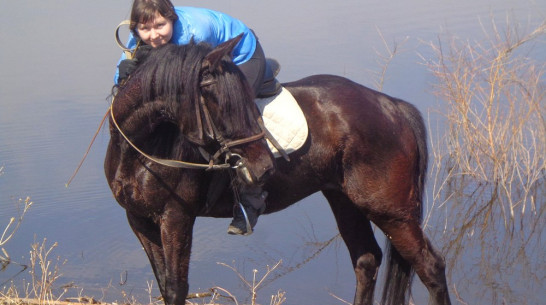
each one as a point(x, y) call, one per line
point(165, 162)
point(128, 52)
point(225, 146)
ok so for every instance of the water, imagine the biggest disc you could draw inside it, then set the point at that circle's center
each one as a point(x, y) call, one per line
point(57, 60)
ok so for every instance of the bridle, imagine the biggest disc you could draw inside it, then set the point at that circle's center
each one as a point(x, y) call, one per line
point(231, 160)
point(212, 132)
point(209, 129)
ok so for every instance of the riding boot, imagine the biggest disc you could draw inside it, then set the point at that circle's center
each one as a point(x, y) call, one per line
point(253, 203)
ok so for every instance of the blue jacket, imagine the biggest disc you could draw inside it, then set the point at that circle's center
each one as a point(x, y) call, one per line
point(209, 26)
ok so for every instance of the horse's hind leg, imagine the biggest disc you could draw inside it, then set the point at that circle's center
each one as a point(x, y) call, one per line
point(358, 235)
point(409, 240)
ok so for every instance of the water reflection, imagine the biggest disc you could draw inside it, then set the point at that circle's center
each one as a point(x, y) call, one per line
point(57, 67)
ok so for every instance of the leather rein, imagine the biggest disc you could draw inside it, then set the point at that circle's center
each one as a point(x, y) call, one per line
point(212, 132)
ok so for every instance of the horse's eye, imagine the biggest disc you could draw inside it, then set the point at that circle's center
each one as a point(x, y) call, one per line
point(206, 79)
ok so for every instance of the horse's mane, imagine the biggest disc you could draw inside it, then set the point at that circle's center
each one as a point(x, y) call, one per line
point(172, 74)
point(157, 104)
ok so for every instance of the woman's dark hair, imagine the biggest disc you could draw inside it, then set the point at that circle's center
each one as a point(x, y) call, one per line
point(144, 11)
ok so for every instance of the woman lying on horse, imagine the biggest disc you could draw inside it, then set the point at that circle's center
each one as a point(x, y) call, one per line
point(155, 23)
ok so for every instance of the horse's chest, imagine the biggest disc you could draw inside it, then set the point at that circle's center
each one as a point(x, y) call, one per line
point(146, 192)
point(139, 193)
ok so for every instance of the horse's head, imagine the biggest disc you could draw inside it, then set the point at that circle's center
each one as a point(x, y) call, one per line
point(196, 94)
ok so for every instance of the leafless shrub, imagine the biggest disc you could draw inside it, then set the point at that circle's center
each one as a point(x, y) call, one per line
point(489, 166)
point(9, 231)
point(256, 283)
point(14, 222)
point(44, 272)
point(385, 58)
point(218, 295)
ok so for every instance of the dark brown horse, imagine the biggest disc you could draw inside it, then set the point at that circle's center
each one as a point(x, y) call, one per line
point(366, 152)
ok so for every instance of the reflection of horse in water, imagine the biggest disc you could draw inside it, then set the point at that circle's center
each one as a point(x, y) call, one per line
point(366, 152)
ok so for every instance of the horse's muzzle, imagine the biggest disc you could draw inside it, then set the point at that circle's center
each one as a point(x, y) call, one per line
point(245, 174)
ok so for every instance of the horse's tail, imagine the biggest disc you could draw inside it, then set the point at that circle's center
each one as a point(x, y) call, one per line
point(399, 274)
point(415, 120)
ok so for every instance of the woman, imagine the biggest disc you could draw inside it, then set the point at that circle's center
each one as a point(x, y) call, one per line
point(157, 22)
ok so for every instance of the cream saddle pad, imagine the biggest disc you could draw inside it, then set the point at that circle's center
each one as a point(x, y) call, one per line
point(285, 121)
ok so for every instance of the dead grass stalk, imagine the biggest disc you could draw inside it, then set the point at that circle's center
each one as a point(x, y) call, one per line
point(489, 168)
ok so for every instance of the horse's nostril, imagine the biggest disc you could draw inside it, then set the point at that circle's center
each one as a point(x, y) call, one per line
point(268, 172)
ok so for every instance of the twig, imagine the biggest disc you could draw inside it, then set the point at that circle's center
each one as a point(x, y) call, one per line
point(88, 149)
point(231, 296)
point(339, 299)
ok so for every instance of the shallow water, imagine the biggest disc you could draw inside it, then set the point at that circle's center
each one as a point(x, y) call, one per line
point(56, 66)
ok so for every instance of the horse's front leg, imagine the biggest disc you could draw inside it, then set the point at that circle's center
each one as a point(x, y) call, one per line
point(176, 236)
point(149, 235)
point(167, 243)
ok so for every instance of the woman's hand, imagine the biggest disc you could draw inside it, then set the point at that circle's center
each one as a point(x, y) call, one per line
point(128, 66)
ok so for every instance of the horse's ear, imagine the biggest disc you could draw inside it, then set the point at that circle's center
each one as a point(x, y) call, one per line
point(212, 60)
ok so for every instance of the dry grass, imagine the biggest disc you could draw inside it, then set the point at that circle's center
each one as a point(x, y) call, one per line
point(11, 228)
point(219, 295)
point(23, 205)
point(44, 273)
point(385, 58)
point(489, 167)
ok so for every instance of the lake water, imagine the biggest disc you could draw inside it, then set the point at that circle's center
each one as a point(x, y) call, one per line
point(56, 67)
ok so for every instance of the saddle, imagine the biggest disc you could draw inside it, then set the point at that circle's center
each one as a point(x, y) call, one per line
point(281, 114)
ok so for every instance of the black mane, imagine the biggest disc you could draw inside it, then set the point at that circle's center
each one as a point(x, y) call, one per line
point(172, 74)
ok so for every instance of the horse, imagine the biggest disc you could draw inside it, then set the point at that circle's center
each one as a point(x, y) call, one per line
point(185, 123)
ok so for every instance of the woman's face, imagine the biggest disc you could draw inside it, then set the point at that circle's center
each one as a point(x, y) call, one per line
point(156, 32)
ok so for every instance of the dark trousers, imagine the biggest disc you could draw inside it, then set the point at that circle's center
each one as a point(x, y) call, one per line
point(254, 69)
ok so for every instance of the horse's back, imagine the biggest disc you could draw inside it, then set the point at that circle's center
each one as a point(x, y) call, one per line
point(347, 95)
point(340, 104)
point(371, 133)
